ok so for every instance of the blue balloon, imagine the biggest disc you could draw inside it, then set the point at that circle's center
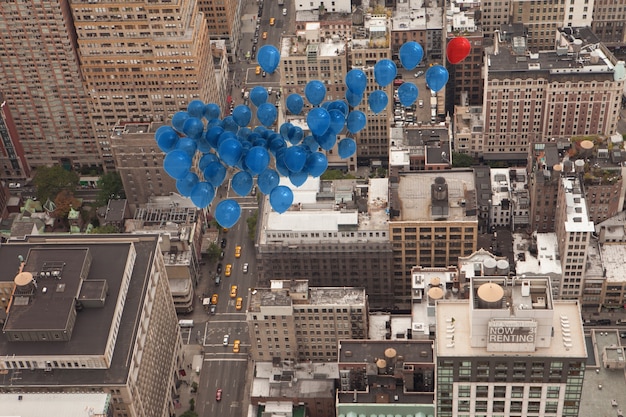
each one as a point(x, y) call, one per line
point(229, 124)
point(411, 54)
point(294, 103)
point(436, 77)
point(318, 120)
point(346, 148)
point(353, 99)
point(268, 180)
point(242, 115)
point(258, 95)
point(315, 92)
point(281, 198)
point(186, 185)
point(268, 58)
point(377, 101)
point(337, 121)
point(298, 178)
point(230, 151)
point(213, 134)
point(356, 81)
point(257, 159)
point(267, 114)
point(316, 164)
point(203, 145)
point(327, 140)
point(195, 108)
point(295, 135)
point(188, 145)
point(385, 72)
point(177, 164)
point(212, 111)
point(223, 137)
point(356, 121)
point(284, 129)
point(295, 158)
point(276, 144)
point(281, 167)
point(206, 159)
point(193, 127)
point(407, 94)
point(215, 173)
point(178, 120)
point(340, 105)
point(166, 138)
point(242, 183)
point(227, 213)
point(311, 143)
point(202, 194)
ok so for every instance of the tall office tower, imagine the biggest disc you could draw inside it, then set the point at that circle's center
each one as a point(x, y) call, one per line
point(573, 231)
point(465, 86)
point(42, 84)
point(13, 160)
point(291, 321)
point(335, 234)
point(139, 162)
point(223, 18)
point(367, 50)
point(142, 61)
point(509, 350)
point(608, 22)
point(91, 313)
point(574, 90)
point(433, 220)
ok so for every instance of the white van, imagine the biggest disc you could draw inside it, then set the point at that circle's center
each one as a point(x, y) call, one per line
point(185, 323)
point(284, 12)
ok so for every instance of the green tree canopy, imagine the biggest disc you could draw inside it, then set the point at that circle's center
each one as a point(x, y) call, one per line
point(213, 251)
point(105, 230)
point(49, 181)
point(461, 160)
point(110, 184)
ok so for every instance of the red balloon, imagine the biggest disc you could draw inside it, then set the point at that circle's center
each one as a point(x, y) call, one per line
point(458, 49)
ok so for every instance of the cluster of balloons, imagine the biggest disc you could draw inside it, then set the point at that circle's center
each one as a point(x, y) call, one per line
point(201, 146)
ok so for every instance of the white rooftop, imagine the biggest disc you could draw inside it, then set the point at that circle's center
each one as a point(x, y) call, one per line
point(545, 263)
point(499, 185)
point(57, 404)
point(613, 256)
point(577, 218)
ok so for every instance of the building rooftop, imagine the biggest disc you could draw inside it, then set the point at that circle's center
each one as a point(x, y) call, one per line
point(54, 404)
point(577, 219)
point(109, 262)
point(417, 15)
point(545, 262)
point(499, 185)
point(414, 196)
point(302, 380)
point(613, 255)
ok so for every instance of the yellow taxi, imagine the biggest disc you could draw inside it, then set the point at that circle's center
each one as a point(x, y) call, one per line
point(228, 270)
point(236, 346)
point(214, 299)
point(233, 291)
point(239, 303)
point(257, 71)
point(237, 251)
point(264, 35)
point(272, 21)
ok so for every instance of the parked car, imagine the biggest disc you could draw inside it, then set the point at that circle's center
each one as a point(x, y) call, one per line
point(214, 299)
point(223, 243)
point(419, 74)
point(219, 268)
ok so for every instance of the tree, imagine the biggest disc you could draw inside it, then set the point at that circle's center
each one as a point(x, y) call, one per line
point(65, 201)
point(110, 184)
point(252, 220)
point(462, 160)
point(213, 251)
point(189, 413)
point(335, 174)
point(49, 181)
point(104, 230)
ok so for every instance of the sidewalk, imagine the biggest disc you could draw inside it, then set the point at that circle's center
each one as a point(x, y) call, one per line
point(192, 366)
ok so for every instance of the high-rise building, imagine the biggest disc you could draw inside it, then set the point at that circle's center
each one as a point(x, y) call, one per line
point(573, 90)
point(223, 18)
point(433, 221)
point(12, 158)
point(91, 313)
point(42, 84)
point(291, 321)
point(335, 234)
point(573, 231)
point(510, 349)
point(139, 161)
point(608, 22)
point(421, 22)
point(142, 61)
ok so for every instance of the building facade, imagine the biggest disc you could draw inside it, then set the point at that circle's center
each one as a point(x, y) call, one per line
point(433, 221)
point(104, 317)
point(294, 322)
point(42, 85)
point(163, 64)
point(509, 350)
